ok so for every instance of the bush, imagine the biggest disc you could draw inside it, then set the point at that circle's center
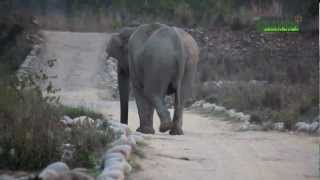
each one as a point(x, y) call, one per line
point(236, 24)
point(183, 14)
point(30, 134)
point(90, 144)
point(16, 40)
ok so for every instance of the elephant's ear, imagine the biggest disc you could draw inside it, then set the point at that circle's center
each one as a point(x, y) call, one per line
point(116, 41)
point(126, 32)
point(114, 46)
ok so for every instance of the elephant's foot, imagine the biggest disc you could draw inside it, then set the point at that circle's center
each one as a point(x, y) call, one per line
point(165, 126)
point(176, 131)
point(146, 130)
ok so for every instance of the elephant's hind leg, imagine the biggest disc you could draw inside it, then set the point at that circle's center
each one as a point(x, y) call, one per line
point(155, 94)
point(177, 117)
point(180, 95)
point(145, 110)
point(164, 114)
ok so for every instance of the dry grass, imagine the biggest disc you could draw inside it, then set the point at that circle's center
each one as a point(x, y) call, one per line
point(266, 102)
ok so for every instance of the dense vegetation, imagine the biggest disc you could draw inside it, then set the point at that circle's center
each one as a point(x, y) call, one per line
point(105, 14)
point(272, 76)
point(31, 132)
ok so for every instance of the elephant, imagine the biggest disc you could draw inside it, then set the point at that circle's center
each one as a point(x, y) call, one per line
point(158, 60)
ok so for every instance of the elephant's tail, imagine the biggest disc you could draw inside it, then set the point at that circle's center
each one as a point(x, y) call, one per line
point(181, 66)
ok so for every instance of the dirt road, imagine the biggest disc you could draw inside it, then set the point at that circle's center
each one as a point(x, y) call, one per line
point(210, 148)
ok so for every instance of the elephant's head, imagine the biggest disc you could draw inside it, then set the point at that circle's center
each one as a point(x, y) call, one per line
point(118, 49)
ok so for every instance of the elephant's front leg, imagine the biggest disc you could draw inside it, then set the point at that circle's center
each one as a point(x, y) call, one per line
point(145, 110)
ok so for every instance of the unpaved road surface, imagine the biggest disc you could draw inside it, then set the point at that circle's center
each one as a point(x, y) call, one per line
point(210, 149)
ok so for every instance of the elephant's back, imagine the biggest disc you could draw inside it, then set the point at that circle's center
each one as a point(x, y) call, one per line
point(141, 35)
point(163, 46)
point(190, 45)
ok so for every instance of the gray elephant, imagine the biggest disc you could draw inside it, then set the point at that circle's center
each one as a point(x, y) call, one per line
point(158, 60)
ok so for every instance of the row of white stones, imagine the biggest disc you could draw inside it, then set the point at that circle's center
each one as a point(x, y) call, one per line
point(115, 164)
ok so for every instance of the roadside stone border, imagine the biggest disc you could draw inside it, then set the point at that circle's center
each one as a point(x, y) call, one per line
point(115, 161)
point(203, 106)
point(210, 107)
point(114, 165)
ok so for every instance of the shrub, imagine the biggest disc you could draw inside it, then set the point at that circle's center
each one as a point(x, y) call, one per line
point(16, 40)
point(183, 14)
point(236, 24)
point(90, 144)
point(30, 133)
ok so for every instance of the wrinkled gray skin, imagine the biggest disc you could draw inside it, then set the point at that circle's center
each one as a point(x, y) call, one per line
point(158, 60)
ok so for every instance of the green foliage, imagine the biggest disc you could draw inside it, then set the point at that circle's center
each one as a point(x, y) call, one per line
point(15, 41)
point(116, 24)
point(183, 14)
point(90, 144)
point(30, 133)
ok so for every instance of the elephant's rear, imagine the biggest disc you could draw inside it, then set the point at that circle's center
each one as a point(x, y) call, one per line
point(160, 61)
point(168, 56)
point(190, 60)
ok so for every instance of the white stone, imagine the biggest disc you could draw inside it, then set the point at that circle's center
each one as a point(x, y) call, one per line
point(118, 130)
point(313, 127)
point(207, 106)
point(48, 174)
point(245, 117)
point(119, 127)
point(138, 139)
point(110, 161)
point(219, 108)
point(302, 127)
point(99, 123)
point(72, 175)
point(122, 140)
point(255, 127)
point(124, 149)
point(232, 113)
point(53, 169)
point(279, 126)
point(198, 104)
point(132, 141)
point(123, 166)
point(114, 155)
point(67, 120)
point(244, 127)
point(250, 127)
point(83, 121)
point(111, 175)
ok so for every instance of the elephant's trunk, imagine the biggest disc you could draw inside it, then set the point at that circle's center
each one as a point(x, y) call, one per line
point(123, 82)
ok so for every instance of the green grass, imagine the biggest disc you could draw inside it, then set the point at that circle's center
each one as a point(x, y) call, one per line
point(74, 112)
